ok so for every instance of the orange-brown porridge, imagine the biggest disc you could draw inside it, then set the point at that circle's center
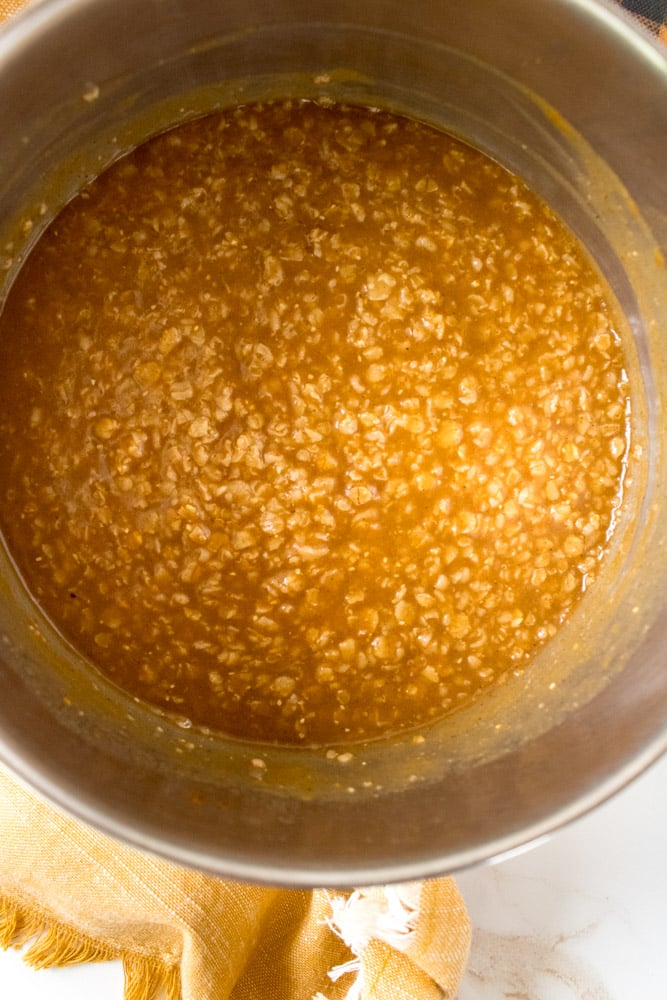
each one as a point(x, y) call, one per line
point(314, 423)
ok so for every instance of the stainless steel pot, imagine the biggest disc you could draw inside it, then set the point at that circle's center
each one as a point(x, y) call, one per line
point(569, 95)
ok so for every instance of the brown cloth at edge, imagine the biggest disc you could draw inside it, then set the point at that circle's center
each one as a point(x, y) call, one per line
point(80, 896)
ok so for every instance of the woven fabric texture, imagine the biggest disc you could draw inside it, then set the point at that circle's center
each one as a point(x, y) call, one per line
point(75, 895)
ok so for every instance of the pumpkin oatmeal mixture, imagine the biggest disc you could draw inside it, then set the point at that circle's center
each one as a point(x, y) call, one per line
point(314, 423)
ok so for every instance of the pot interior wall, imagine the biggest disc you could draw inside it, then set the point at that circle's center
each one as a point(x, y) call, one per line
point(593, 709)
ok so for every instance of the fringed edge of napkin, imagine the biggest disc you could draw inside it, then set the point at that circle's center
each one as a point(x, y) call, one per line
point(388, 914)
point(50, 943)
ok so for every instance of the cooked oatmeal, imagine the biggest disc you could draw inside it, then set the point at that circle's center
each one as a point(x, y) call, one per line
point(314, 423)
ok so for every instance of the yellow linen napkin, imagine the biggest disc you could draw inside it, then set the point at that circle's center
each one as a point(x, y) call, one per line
point(81, 896)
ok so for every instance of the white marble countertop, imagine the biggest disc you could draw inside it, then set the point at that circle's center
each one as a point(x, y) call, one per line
point(582, 916)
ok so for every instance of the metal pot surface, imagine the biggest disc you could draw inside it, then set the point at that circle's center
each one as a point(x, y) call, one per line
point(569, 95)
